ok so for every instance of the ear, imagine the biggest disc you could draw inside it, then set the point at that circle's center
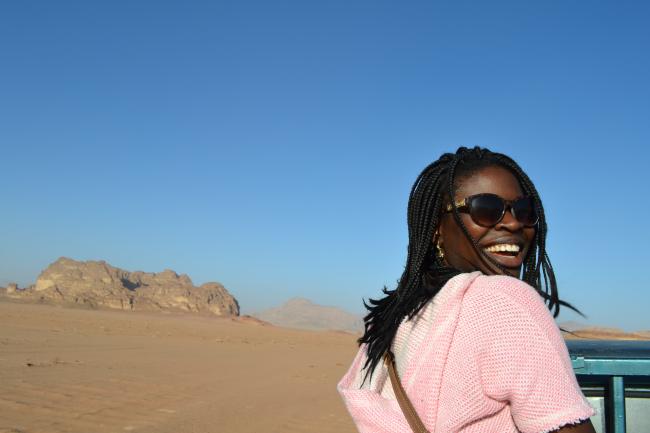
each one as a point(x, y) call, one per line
point(441, 230)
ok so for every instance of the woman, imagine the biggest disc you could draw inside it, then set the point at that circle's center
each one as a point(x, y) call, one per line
point(475, 347)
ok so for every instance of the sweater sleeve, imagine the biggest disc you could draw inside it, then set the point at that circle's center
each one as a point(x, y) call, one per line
point(522, 357)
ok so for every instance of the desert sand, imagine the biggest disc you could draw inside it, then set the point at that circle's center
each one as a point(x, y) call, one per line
point(75, 370)
point(90, 371)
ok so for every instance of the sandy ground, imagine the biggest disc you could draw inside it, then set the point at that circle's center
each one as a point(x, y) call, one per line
point(73, 370)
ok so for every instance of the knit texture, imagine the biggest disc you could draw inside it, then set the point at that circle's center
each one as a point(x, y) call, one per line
point(484, 355)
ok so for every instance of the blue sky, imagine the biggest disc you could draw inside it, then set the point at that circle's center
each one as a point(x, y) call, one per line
point(271, 146)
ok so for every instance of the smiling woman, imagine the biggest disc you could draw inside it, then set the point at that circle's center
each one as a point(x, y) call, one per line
point(498, 239)
point(468, 342)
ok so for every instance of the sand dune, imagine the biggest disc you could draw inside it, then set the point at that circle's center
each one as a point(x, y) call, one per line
point(73, 370)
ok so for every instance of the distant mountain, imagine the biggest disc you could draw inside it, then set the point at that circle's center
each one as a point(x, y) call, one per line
point(578, 330)
point(96, 284)
point(572, 326)
point(303, 314)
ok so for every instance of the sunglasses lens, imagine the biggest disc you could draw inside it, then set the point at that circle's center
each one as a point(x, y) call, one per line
point(486, 210)
point(524, 211)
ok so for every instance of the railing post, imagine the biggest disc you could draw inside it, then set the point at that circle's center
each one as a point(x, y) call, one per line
point(616, 405)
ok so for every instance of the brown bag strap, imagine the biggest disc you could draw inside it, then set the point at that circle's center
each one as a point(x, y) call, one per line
point(409, 411)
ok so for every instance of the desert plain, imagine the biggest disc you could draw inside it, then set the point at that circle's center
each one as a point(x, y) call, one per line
point(76, 370)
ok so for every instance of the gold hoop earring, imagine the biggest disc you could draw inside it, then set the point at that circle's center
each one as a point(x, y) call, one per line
point(440, 253)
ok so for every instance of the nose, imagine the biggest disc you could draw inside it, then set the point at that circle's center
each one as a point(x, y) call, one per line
point(509, 222)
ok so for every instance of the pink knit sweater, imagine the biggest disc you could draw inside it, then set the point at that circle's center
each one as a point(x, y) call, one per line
point(484, 356)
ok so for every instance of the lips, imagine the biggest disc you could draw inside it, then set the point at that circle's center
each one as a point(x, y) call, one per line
point(507, 249)
point(508, 252)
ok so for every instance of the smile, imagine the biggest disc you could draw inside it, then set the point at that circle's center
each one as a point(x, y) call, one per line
point(505, 249)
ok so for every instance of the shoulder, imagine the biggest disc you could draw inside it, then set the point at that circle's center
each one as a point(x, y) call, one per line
point(507, 305)
point(506, 291)
point(509, 333)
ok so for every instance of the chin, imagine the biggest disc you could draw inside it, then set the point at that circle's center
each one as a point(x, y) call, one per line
point(513, 272)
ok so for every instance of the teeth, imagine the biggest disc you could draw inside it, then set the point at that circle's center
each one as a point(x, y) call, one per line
point(512, 248)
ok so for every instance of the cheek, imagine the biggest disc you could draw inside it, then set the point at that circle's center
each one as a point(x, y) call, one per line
point(475, 230)
point(460, 243)
point(529, 234)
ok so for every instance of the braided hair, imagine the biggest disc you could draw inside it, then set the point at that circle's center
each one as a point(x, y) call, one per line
point(425, 273)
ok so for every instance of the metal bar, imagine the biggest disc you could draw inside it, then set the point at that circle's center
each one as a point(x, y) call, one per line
point(611, 367)
point(616, 405)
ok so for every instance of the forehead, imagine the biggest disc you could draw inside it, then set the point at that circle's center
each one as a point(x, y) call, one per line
point(493, 179)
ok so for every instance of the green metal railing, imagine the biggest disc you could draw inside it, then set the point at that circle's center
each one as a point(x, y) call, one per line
point(615, 377)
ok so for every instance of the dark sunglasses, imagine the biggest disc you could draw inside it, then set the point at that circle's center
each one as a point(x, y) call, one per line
point(488, 210)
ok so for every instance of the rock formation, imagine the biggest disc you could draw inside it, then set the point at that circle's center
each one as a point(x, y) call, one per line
point(97, 284)
point(303, 314)
point(12, 287)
